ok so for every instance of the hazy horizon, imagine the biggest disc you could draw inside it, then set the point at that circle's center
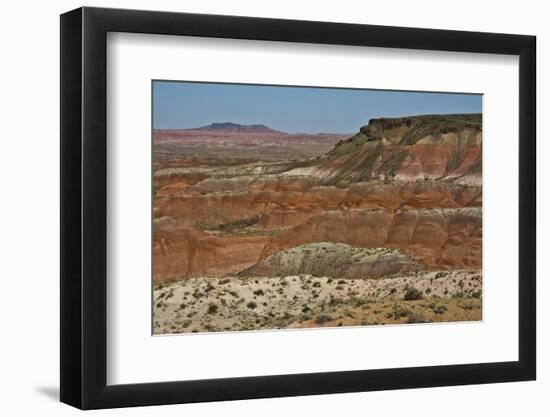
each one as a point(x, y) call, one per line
point(188, 105)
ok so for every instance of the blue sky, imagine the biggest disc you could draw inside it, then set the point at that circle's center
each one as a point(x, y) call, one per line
point(185, 105)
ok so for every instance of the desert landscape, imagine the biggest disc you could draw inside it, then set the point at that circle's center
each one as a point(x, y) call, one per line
point(258, 229)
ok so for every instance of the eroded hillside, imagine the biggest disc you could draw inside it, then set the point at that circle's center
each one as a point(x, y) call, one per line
point(438, 147)
point(403, 196)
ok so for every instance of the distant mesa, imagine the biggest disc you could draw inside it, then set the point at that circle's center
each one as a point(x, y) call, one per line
point(237, 128)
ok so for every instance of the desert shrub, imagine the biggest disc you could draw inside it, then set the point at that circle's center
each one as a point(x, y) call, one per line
point(334, 301)
point(259, 292)
point(238, 224)
point(252, 305)
point(476, 294)
point(440, 309)
point(358, 302)
point(412, 294)
point(416, 318)
point(323, 318)
point(224, 281)
point(305, 317)
point(212, 309)
point(316, 284)
point(400, 312)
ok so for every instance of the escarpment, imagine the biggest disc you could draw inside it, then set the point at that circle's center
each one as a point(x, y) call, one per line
point(436, 147)
point(401, 195)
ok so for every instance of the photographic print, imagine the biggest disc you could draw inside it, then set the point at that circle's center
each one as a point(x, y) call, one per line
point(280, 207)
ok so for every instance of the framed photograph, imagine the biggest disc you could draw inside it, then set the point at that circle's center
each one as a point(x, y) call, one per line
point(258, 208)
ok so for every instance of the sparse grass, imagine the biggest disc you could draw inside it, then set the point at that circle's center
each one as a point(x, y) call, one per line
point(470, 305)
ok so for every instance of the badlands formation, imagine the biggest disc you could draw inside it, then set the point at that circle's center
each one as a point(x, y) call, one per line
point(259, 229)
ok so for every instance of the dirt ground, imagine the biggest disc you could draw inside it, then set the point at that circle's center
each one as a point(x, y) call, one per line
point(234, 303)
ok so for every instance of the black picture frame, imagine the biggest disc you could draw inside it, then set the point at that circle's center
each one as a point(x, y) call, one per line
point(84, 207)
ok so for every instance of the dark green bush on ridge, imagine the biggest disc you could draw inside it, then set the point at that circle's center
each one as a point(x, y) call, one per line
point(412, 294)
